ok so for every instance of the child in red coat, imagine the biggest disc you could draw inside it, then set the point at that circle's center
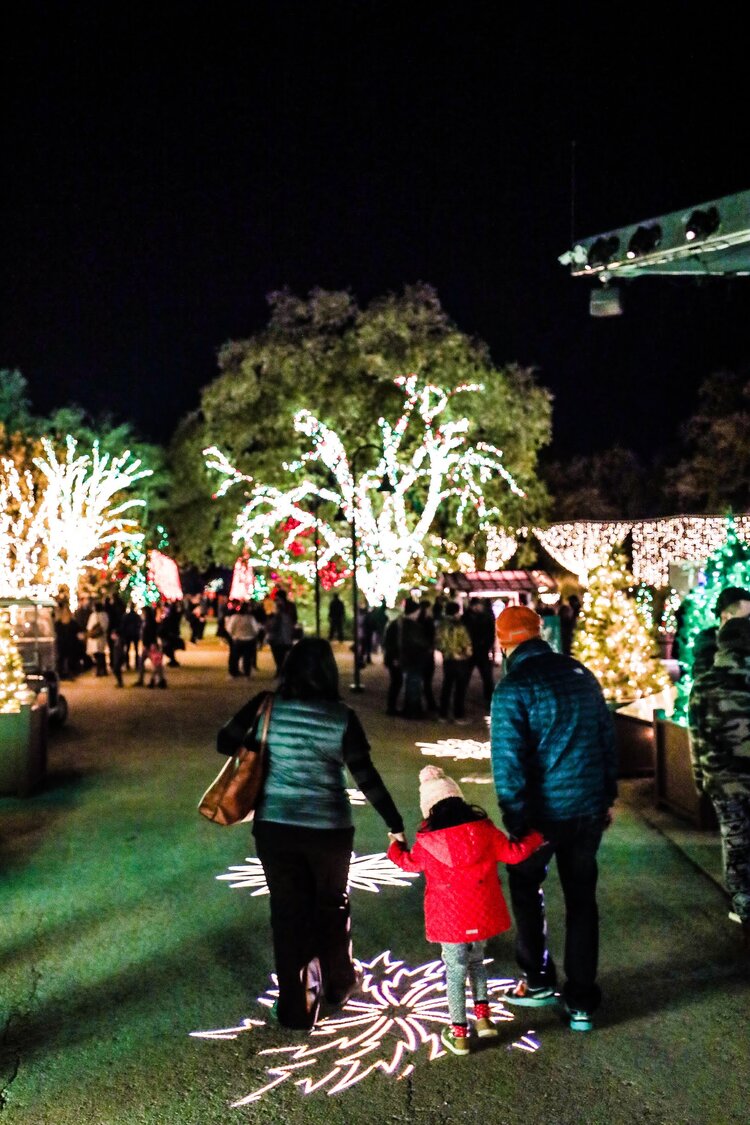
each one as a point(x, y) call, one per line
point(458, 849)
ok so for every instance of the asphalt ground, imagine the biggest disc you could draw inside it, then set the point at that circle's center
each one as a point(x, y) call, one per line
point(118, 941)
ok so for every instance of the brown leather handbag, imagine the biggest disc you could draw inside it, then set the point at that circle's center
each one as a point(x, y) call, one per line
point(233, 795)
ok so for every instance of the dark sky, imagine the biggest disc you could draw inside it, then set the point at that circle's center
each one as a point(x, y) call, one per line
point(163, 172)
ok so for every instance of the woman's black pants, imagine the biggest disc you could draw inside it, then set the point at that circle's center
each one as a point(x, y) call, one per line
point(307, 871)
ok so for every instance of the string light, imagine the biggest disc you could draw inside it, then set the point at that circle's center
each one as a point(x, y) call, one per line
point(53, 530)
point(418, 453)
point(581, 546)
point(14, 691)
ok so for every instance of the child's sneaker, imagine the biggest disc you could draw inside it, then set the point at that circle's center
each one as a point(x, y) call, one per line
point(526, 996)
point(455, 1039)
point(485, 1028)
point(578, 1020)
point(483, 1025)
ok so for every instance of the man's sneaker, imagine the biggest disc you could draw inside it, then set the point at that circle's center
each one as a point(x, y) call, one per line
point(456, 1044)
point(578, 1020)
point(527, 997)
point(485, 1028)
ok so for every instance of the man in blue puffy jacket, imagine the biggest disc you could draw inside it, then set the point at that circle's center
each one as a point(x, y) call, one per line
point(555, 770)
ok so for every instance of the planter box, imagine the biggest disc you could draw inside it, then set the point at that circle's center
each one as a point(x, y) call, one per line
point(634, 739)
point(675, 787)
point(23, 749)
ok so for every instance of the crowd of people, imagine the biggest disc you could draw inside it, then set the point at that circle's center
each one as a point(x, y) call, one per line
point(111, 637)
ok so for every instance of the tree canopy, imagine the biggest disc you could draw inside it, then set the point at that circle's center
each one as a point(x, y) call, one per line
point(326, 354)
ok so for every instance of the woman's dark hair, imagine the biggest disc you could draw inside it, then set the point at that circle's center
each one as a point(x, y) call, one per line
point(310, 671)
point(450, 812)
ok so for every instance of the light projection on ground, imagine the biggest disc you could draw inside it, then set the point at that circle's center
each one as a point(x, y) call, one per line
point(356, 797)
point(395, 1018)
point(366, 873)
point(459, 749)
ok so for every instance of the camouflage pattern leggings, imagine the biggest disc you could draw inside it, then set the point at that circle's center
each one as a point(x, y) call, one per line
point(733, 812)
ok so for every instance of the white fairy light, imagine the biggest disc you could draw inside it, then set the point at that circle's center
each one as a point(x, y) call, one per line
point(21, 534)
point(392, 536)
point(395, 1017)
point(366, 873)
point(582, 545)
point(51, 531)
point(79, 511)
point(501, 546)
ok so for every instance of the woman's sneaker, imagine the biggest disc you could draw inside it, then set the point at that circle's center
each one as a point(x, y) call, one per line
point(485, 1029)
point(578, 1020)
point(526, 996)
point(455, 1039)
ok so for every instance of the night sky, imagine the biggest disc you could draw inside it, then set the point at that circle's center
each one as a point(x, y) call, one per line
point(162, 173)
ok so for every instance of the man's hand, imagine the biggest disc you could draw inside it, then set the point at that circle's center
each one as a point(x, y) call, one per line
point(397, 838)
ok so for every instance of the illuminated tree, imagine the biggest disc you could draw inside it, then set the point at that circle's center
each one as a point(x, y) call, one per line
point(612, 640)
point(21, 534)
point(327, 354)
point(727, 566)
point(13, 689)
point(424, 462)
point(79, 512)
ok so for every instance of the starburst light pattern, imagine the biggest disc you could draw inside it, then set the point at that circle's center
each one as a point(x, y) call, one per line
point(366, 873)
point(396, 1016)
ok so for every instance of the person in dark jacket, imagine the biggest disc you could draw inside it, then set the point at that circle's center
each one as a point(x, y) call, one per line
point(733, 601)
point(458, 849)
point(479, 622)
point(303, 826)
point(555, 769)
point(719, 719)
point(336, 615)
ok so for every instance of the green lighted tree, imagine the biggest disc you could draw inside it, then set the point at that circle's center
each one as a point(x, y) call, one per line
point(612, 639)
point(728, 566)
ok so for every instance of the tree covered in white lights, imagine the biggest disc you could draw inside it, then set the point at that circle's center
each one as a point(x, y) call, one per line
point(612, 639)
point(82, 508)
point(424, 461)
point(62, 518)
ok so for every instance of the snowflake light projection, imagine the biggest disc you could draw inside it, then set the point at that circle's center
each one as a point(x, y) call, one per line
point(397, 1013)
point(366, 873)
point(459, 749)
point(391, 538)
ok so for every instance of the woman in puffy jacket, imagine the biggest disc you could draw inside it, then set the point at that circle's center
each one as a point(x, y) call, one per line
point(458, 849)
point(303, 826)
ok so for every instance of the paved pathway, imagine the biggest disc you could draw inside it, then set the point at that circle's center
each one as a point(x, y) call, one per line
point(118, 941)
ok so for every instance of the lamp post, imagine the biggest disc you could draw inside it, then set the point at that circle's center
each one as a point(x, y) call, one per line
point(314, 505)
point(385, 487)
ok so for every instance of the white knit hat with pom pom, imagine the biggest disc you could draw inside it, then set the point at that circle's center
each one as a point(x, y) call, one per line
point(434, 786)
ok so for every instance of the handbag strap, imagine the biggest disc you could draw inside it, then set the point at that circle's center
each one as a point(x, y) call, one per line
point(264, 716)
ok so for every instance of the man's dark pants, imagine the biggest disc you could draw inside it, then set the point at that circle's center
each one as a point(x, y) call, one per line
point(307, 870)
point(574, 843)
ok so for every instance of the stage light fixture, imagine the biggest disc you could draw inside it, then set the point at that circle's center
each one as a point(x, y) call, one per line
point(702, 223)
point(605, 300)
point(602, 251)
point(645, 239)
